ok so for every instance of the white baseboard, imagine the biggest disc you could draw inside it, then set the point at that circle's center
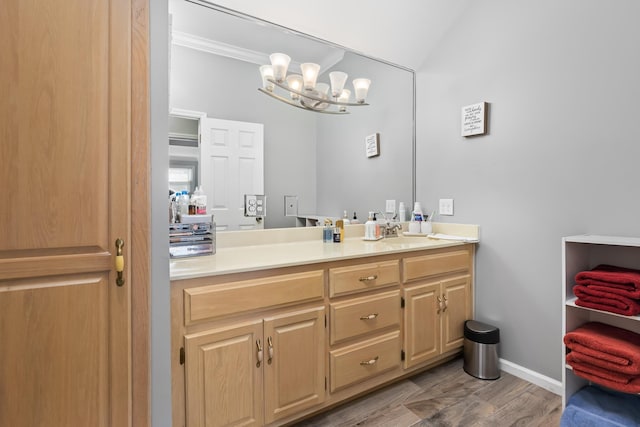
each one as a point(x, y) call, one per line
point(554, 386)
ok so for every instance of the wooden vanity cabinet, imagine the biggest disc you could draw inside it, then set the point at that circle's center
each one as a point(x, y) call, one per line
point(272, 366)
point(335, 330)
point(253, 350)
point(438, 299)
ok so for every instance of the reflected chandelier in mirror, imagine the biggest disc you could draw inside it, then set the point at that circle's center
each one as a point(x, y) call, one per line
point(303, 90)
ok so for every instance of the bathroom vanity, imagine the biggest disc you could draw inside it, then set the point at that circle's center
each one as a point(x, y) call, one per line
point(271, 332)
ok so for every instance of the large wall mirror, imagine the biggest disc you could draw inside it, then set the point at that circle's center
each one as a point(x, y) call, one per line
point(318, 160)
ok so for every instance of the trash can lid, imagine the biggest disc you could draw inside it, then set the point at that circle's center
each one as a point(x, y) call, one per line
point(481, 332)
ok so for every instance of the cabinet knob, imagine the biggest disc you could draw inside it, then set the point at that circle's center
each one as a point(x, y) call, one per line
point(370, 362)
point(369, 317)
point(270, 344)
point(259, 353)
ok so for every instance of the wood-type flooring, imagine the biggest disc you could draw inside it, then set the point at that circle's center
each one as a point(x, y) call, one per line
point(446, 396)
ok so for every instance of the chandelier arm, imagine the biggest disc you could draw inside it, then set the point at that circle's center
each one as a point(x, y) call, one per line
point(286, 101)
point(315, 98)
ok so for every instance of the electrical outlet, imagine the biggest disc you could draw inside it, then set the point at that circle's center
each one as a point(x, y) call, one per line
point(390, 206)
point(446, 207)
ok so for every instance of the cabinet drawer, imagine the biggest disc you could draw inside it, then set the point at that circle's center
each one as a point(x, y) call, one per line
point(346, 280)
point(364, 360)
point(207, 302)
point(436, 264)
point(359, 316)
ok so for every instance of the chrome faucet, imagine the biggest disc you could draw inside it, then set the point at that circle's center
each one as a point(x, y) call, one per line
point(390, 226)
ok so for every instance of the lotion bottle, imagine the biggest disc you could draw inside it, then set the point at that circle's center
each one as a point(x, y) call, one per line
point(370, 228)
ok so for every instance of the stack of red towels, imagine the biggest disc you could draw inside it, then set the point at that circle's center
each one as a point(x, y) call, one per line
point(609, 288)
point(606, 355)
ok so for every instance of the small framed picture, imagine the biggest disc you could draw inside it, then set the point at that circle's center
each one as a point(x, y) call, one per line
point(474, 119)
point(372, 145)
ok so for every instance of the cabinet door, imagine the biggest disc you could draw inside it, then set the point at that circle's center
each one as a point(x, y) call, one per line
point(422, 323)
point(223, 381)
point(457, 301)
point(65, 116)
point(295, 369)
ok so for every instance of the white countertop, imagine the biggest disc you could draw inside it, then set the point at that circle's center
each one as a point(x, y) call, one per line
point(235, 258)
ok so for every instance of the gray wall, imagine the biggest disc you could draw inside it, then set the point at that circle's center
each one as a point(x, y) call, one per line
point(227, 89)
point(561, 156)
point(159, 295)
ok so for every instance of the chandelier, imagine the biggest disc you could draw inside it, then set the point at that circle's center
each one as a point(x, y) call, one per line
point(305, 92)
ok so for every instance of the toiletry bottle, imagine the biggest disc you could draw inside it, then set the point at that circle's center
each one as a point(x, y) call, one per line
point(340, 226)
point(377, 227)
point(417, 212)
point(370, 228)
point(327, 232)
point(355, 219)
point(345, 218)
point(336, 235)
point(402, 212)
point(184, 204)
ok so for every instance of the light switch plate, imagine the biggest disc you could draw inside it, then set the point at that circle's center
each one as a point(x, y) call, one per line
point(390, 206)
point(446, 207)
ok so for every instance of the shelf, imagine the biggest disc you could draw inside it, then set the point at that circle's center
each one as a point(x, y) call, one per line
point(604, 240)
point(572, 303)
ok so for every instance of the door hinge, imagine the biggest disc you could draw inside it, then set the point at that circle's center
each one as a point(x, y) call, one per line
point(401, 302)
point(401, 354)
point(182, 355)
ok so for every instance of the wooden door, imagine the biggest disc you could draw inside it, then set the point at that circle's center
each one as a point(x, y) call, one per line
point(295, 375)
point(231, 165)
point(223, 379)
point(456, 294)
point(65, 114)
point(422, 323)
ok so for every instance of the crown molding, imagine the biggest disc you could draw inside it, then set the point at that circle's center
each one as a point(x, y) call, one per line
point(179, 38)
point(202, 44)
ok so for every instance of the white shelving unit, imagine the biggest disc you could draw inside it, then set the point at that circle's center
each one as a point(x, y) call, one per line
point(581, 253)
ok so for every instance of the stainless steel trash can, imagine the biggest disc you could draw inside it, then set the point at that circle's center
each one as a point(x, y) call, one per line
point(481, 350)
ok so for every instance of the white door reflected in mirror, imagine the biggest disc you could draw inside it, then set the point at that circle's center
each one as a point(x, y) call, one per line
point(232, 165)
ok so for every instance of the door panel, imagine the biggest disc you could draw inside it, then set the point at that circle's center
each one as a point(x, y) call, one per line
point(39, 387)
point(457, 296)
point(65, 119)
point(422, 324)
point(295, 378)
point(223, 383)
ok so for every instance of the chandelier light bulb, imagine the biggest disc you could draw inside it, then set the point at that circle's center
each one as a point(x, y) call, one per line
point(280, 63)
point(309, 74)
point(344, 97)
point(266, 71)
point(294, 81)
point(338, 79)
point(361, 87)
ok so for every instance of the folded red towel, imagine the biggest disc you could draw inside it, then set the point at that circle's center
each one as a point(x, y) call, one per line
point(603, 300)
point(635, 294)
point(608, 343)
point(632, 386)
point(602, 368)
point(609, 275)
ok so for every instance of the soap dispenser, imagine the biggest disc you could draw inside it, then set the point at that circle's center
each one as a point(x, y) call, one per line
point(370, 228)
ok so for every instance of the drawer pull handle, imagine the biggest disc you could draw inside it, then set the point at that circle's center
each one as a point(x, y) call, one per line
point(369, 317)
point(439, 304)
point(259, 351)
point(370, 362)
point(270, 344)
point(368, 278)
point(444, 297)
